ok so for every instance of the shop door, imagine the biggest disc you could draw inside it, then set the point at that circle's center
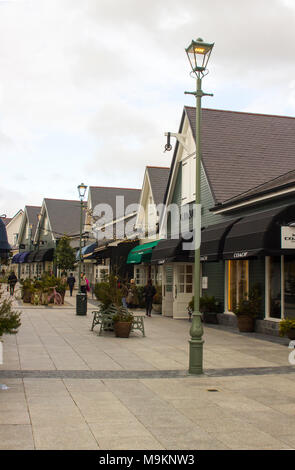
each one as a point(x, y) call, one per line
point(183, 291)
point(167, 301)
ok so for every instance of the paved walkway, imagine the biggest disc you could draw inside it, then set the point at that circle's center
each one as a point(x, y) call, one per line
point(69, 388)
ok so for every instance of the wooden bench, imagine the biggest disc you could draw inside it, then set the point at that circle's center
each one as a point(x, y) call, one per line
point(104, 318)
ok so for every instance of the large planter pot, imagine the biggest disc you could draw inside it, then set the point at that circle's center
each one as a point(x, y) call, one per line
point(122, 329)
point(157, 308)
point(44, 298)
point(210, 317)
point(27, 294)
point(246, 323)
point(291, 334)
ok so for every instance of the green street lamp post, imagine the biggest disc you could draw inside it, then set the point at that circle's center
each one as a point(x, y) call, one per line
point(198, 54)
point(81, 301)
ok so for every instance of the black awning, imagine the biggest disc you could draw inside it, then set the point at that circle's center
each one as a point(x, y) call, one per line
point(46, 254)
point(258, 234)
point(212, 241)
point(31, 256)
point(166, 250)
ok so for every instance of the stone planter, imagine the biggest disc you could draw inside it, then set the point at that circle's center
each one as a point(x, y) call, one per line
point(44, 298)
point(246, 323)
point(122, 329)
point(26, 296)
point(157, 308)
point(210, 317)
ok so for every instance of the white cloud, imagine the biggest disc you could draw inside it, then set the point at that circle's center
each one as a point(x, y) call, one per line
point(93, 85)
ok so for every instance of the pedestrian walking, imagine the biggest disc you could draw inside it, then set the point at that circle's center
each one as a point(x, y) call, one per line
point(83, 284)
point(12, 280)
point(149, 292)
point(131, 299)
point(71, 283)
point(124, 290)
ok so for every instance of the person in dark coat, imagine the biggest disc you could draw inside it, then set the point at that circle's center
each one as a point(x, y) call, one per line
point(71, 282)
point(149, 292)
point(12, 280)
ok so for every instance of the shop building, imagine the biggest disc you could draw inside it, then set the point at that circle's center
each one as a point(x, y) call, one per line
point(247, 214)
point(147, 224)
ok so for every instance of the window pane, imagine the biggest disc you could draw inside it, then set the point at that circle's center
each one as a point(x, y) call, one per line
point(275, 287)
point(189, 279)
point(232, 284)
point(289, 287)
point(189, 288)
point(189, 268)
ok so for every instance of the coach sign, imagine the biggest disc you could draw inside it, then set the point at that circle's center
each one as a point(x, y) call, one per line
point(288, 237)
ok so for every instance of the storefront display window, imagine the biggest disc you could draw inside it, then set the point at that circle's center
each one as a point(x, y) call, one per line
point(274, 286)
point(238, 282)
point(289, 283)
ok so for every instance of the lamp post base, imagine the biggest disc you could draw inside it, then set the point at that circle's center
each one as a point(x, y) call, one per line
point(196, 356)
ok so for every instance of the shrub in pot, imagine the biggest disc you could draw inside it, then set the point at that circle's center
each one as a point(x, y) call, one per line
point(287, 328)
point(209, 306)
point(122, 323)
point(27, 290)
point(157, 300)
point(9, 318)
point(108, 293)
point(248, 309)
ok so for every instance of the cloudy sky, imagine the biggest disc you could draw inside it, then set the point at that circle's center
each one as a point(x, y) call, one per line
point(89, 87)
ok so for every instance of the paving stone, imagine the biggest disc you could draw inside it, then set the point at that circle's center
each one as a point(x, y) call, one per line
point(16, 437)
point(85, 391)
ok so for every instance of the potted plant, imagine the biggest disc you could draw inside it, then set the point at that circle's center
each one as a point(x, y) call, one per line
point(248, 309)
point(107, 292)
point(61, 288)
point(122, 323)
point(27, 290)
point(209, 306)
point(287, 328)
point(157, 300)
point(9, 318)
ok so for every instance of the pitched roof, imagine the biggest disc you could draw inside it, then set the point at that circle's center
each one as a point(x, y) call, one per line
point(107, 195)
point(274, 185)
point(64, 216)
point(241, 151)
point(6, 220)
point(158, 178)
point(33, 212)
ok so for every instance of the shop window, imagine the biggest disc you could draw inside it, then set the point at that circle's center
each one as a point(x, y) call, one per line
point(274, 287)
point(140, 276)
point(185, 279)
point(289, 286)
point(237, 282)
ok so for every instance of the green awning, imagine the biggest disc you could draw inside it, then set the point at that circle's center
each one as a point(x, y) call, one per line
point(141, 253)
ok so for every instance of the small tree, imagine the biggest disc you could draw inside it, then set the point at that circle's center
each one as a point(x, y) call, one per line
point(65, 257)
point(9, 318)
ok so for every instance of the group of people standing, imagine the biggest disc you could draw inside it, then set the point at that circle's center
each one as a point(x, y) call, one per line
point(85, 285)
point(129, 291)
point(130, 300)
